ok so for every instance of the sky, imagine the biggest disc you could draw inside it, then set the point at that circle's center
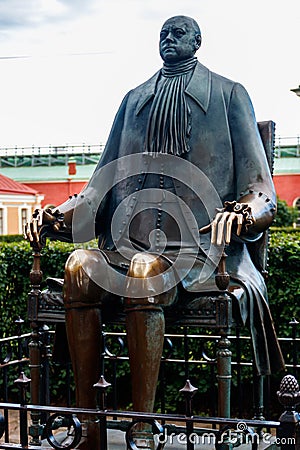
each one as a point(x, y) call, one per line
point(65, 65)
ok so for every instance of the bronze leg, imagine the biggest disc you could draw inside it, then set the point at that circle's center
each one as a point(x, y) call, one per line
point(83, 323)
point(84, 337)
point(145, 334)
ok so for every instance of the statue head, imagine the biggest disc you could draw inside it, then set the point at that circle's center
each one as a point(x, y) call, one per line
point(180, 38)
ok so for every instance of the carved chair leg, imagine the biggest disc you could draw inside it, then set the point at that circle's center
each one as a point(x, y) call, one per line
point(35, 346)
point(35, 387)
point(224, 375)
point(223, 351)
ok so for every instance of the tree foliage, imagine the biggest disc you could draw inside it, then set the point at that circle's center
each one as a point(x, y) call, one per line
point(286, 215)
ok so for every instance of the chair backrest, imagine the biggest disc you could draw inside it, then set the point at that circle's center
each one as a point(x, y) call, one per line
point(267, 134)
point(259, 249)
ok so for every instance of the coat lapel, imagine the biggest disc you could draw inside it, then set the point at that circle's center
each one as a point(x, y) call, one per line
point(148, 90)
point(198, 89)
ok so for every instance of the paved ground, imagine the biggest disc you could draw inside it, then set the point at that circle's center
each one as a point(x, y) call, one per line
point(116, 441)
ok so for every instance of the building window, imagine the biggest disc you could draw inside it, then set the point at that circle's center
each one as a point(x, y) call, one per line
point(24, 216)
point(1, 221)
point(297, 205)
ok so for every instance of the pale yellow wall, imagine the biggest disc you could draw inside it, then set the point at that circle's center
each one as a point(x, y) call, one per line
point(12, 220)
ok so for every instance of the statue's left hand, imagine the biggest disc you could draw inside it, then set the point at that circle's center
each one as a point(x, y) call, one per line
point(36, 230)
point(234, 217)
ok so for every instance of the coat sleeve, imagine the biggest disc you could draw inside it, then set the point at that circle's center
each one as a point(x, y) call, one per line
point(84, 213)
point(254, 184)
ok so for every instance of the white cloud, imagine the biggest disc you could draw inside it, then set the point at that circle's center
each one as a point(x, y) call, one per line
point(19, 14)
point(54, 97)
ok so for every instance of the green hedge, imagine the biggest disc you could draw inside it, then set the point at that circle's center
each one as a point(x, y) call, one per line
point(15, 265)
point(284, 279)
point(11, 238)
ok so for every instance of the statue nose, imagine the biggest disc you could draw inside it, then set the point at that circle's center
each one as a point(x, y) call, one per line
point(170, 37)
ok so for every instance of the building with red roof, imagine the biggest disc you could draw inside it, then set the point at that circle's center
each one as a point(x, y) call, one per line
point(17, 203)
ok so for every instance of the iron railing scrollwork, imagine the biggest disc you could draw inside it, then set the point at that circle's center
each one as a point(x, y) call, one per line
point(73, 434)
point(156, 428)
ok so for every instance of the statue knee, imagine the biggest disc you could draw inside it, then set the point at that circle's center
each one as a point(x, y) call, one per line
point(79, 287)
point(145, 265)
point(149, 267)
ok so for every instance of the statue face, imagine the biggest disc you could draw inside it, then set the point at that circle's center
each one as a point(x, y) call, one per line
point(178, 40)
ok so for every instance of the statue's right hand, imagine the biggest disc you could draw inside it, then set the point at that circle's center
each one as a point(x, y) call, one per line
point(40, 221)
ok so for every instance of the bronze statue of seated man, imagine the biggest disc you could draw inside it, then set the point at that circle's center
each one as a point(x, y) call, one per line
point(183, 143)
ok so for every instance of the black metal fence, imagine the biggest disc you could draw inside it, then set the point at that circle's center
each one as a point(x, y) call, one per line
point(188, 356)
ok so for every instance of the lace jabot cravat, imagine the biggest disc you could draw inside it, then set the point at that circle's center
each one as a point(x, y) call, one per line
point(169, 123)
